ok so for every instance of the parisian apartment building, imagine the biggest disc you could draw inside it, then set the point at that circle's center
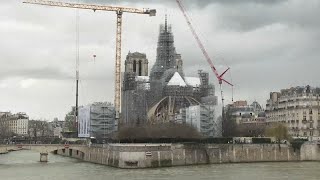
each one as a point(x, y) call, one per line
point(298, 108)
point(16, 123)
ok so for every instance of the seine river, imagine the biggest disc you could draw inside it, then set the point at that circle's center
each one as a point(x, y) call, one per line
point(24, 165)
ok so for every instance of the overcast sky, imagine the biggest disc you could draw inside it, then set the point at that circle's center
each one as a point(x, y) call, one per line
point(269, 45)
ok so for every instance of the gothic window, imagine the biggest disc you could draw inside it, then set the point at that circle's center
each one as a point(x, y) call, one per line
point(140, 68)
point(134, 65)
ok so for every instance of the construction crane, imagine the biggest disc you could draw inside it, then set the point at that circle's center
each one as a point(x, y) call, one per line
point(119, 11)
point(204, 52)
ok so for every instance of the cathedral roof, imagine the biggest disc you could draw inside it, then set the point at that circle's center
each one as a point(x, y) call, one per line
point(193, 81)
point(176, 80)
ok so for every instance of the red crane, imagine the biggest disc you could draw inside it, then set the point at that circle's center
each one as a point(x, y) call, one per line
point(204, 52)
point(219, 77)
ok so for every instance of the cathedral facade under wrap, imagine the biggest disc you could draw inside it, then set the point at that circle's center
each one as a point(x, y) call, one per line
point(167, 95)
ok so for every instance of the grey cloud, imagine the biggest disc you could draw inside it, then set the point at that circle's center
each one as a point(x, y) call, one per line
point(47, 73)
point(189, 3)
point(251, 16)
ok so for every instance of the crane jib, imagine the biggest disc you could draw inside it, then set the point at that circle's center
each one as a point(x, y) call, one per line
point(151, 12)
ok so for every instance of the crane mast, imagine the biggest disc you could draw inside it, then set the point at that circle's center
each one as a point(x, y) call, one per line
point(119, 11)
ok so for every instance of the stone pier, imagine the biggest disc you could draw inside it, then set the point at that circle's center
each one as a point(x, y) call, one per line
point(43, 157)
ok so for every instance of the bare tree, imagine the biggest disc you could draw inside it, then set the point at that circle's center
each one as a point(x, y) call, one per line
point(70, 121)
point(279, 131)
point(38, 129)
point(167, 130)
point(4, 130)
point(251, 129)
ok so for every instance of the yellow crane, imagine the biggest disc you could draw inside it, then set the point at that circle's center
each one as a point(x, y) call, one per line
point(119, 11)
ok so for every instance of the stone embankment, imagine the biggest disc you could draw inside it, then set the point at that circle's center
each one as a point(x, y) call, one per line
point(310, 151)
point(3, 150)
point(165, 155)
point(7, 148)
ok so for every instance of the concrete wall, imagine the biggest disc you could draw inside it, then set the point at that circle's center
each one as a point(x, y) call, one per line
point(310, 151)
point(164, 155)
point(3, 150)
point(6, 148)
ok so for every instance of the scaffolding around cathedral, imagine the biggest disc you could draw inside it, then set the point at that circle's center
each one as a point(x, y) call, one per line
point(167, 95)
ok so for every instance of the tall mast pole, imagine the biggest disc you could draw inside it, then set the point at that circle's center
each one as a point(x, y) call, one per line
point(77, 69)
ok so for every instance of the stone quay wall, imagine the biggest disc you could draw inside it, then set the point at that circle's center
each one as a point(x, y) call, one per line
point(5, 148)
point(310, 151)
point(166, 155)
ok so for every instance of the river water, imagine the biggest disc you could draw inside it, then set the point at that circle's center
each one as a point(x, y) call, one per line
point(25, 165)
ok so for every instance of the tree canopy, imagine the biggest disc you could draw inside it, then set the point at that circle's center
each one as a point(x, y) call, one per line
point(279, 131)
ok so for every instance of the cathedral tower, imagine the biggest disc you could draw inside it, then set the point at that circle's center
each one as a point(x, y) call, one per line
point(137, 63)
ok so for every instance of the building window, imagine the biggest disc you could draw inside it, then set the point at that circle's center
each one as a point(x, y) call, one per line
point(304, 118)
point(310, 111)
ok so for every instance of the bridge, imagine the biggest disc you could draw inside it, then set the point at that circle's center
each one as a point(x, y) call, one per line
point(45, 149)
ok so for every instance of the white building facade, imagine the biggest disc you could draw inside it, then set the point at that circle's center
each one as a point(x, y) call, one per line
point(22, 126)
point(15, 123)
